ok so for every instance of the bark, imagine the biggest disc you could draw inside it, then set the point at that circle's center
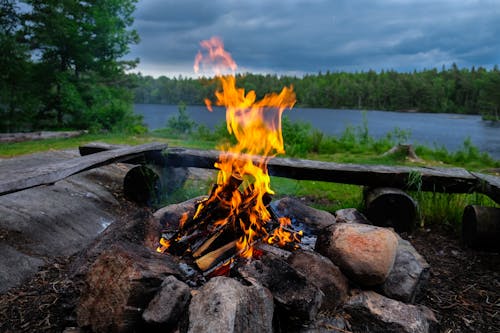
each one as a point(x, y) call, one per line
point(481, 227)
point(391, 207)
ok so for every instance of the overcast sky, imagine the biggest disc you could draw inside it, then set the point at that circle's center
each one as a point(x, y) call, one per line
point(299, 36)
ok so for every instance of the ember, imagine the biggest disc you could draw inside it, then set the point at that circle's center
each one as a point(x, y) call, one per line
point(236, 214)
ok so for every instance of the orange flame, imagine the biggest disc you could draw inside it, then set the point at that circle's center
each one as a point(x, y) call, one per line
point(164, 245)
point(257, 127)
point(282, 236)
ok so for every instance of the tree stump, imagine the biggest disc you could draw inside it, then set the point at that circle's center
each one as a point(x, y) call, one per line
point(391, 207)
point(481, 227)
point(406, 150)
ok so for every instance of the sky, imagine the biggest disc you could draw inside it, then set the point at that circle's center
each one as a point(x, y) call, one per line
point(296, 37)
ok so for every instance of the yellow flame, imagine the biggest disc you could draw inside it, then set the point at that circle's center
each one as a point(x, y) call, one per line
point(256, 124)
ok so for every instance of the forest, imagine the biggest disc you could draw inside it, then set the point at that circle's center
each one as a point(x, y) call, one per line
point(62, 67)
point(452, 90)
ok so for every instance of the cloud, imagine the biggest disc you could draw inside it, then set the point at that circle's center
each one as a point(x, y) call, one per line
point(299, 36)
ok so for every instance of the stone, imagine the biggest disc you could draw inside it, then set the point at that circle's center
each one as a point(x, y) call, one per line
point(46, 222)
point(225, 305)
point(351, 215)
point(364, 253)
point(324, 274)
point(374, 313)
point(297, 298)
point(169, 304)
point(408, 275)
point(16, 267)
point(336, 324)
point(119, 285)
point(313, 219)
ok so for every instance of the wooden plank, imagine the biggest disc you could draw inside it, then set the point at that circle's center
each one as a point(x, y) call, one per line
point(447, 180)
point(489, 185)
point(97, 147)
point(50, 173)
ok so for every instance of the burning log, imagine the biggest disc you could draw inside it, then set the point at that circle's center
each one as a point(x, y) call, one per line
point(221, 254)
point(481, 227)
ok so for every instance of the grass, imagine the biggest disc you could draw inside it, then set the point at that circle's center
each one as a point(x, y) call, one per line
point(355, 145)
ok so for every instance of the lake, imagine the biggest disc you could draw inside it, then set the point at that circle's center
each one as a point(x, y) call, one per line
point(449, 130)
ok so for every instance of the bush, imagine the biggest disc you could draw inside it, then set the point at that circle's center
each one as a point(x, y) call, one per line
point(182, 124)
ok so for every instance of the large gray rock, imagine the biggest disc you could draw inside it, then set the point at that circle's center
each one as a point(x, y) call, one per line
point(312, 218)
point(15, 266)
point(119, 286)
point(224, 305)
point(296, 297)
point(44, 222)
point(169, 304)
point(374, 313)
point(351, 215)
point(408, 275)
point(324, 274)
point(336, 324)
point(364, 253)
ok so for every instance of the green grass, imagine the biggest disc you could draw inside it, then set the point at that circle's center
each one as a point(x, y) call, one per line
point(355, 145)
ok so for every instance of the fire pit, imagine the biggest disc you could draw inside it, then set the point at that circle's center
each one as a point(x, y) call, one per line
point(234, 261)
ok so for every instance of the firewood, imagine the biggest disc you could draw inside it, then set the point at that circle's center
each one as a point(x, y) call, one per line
point(211, 259)
point(218, 238)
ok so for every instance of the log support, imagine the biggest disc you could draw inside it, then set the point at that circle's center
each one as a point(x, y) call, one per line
point(391, 207)
point(481, 227)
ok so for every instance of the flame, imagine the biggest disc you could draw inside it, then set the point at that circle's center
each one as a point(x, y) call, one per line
point(183, 220)
point(164, 245)
point(282, 236)
point(217, 58)
point(256, 124)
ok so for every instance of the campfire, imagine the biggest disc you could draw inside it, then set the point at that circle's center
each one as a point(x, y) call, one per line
point(236, 213)
point(236, 261)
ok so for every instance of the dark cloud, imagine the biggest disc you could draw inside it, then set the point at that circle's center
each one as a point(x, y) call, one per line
point(299, 36)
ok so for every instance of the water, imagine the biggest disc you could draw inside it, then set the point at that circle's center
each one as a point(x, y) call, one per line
point(430, 129)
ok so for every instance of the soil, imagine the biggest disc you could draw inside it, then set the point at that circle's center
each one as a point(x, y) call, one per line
point(463, 289)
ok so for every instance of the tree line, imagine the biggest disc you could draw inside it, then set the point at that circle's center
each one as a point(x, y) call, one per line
point(61, 64)
point(452, 90)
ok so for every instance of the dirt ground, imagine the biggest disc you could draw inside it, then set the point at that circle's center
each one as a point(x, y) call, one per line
point(463, 291)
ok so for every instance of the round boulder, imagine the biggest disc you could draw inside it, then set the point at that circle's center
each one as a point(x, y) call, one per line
point(363, 252)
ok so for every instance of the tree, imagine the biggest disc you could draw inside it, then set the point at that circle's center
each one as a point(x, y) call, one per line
point(492, 96)
point(78, 46)
point(16, 103)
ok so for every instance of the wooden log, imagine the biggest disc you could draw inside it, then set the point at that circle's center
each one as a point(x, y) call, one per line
point(97, 147)
point(481, 227)
point(213, 258)
point(391, 207)
point(51, 173)
point(19, 137)
point(447, 180)
point(142, 184)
